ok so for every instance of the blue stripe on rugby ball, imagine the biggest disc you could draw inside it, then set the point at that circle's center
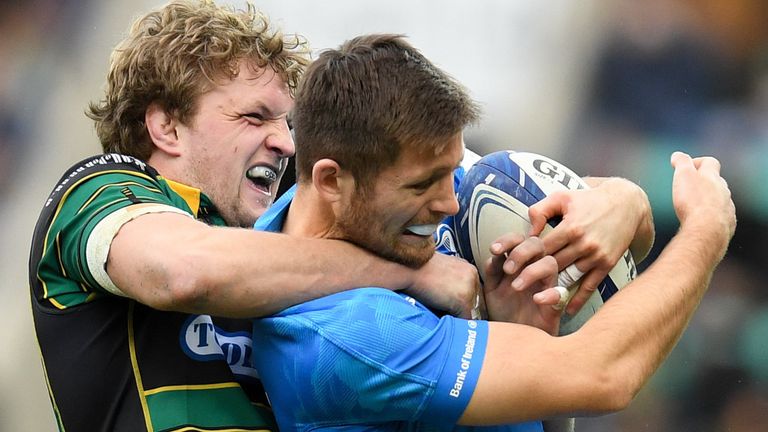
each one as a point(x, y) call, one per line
point(500, 171)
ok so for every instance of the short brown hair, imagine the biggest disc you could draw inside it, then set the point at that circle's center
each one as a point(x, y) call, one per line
point(173, 55)
point(360, 103)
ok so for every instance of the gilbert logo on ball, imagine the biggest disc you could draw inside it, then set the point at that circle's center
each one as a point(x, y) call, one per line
point(494, 198)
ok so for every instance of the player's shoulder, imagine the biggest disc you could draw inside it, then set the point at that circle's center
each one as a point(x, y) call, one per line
point(359, 298)
point(360, 308)
point(104, 168)
point(109, 162)
point(100, 185)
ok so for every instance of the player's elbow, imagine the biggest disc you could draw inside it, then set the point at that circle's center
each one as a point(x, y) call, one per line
point(185, 287)
point(618, 398)
point(613, 391)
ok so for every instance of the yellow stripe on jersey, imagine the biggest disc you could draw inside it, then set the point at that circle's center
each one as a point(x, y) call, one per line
point(56, 412)
point(57, 244)
point(57, 304)
point(191, 387)
point(187, 193)
point(136, 371)
point(98, 191)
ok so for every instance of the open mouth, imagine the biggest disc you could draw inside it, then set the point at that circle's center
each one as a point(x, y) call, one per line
point(424, 230)
point(263, 177)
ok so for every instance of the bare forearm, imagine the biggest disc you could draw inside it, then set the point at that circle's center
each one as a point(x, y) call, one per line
point(528, 374)
point(292, 270)
point(283, 271)
point(655, 309)
point(176, 264)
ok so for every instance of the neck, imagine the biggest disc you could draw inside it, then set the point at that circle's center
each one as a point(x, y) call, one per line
point(308, 216)
point(167, 167)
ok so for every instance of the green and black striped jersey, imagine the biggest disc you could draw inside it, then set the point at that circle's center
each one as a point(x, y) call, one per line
point(111, 363)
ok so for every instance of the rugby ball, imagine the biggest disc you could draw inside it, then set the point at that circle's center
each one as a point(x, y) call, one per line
point(494, 198)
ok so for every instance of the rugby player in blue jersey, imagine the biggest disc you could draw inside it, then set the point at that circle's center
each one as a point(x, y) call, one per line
point(379, 135)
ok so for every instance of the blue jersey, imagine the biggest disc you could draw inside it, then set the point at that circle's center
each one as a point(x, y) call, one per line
point(368, 359)
point(445, 237)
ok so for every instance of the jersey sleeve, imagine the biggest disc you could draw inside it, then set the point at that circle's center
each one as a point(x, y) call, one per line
point(84, 213)
point(367, 356)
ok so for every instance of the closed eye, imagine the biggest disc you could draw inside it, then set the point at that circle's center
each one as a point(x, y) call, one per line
point(442, 174)
point(259, 119)
point(255, 117)
point(423, 185)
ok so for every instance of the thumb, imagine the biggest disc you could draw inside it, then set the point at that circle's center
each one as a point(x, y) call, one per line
point(680, 160)
point(542, 211)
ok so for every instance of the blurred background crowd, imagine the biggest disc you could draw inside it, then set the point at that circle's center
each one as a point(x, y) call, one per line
point(609, 87)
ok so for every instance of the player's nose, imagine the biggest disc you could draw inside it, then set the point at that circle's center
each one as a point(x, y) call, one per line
point(281, 142)
point(445, 201)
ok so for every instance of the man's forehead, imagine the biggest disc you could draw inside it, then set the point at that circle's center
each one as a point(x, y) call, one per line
point(262, 89)
point(415, 160)
point(438, 149)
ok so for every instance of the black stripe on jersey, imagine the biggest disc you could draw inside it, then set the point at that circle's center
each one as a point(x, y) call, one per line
point(129, 194)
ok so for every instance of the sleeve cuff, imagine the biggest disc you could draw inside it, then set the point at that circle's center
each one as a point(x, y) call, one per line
point(462, 369)
point(100, 240)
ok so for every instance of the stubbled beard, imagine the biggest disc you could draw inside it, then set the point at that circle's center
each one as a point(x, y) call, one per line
point(359, 226)
point(236, 215)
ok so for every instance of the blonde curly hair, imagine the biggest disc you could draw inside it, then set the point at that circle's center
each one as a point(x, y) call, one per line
point(173, 55)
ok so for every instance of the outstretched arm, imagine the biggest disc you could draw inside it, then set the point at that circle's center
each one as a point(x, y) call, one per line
point(172, 262)
point(528, 374)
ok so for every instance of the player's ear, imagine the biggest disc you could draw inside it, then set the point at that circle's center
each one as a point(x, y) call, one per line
point(161, 126)
point(331, 181)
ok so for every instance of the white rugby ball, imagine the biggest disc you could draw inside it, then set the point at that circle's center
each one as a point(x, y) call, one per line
point(494, 198)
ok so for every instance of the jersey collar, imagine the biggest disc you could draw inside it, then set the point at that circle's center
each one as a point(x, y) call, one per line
point(198, 202)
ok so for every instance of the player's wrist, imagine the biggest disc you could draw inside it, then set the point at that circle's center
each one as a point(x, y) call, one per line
point(364, 268)
point(636, 197)
point(640, 212)
point(396, 277)
point(711, 235)
point(645, 230)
